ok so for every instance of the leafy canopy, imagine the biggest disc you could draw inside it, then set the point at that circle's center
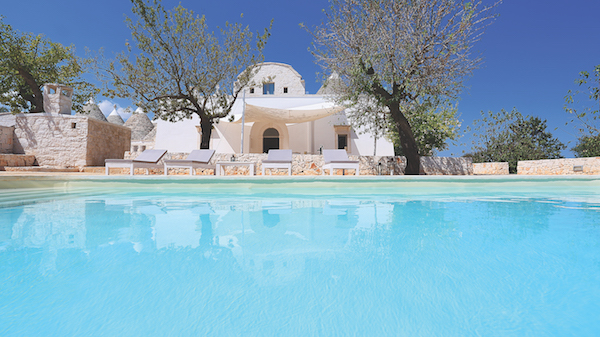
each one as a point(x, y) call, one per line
point(28, 61)
point(434, 125)
point(176, 67)
point(510, 137)
point(587, 146)
point(588, 96)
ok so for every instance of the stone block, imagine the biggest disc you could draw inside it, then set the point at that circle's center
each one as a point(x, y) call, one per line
point(6, 138)
point(490, 168)
point(69, 141)
point(563, 166)
point(15, 160)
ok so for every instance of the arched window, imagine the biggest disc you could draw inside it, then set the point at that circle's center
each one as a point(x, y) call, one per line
point(270, 140)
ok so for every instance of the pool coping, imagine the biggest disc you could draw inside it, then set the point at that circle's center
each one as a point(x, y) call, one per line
point(30, 180)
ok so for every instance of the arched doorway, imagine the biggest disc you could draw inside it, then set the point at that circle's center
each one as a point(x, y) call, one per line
point(270, 140)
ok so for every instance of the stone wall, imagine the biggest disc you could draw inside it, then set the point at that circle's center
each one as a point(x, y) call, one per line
point(305, 164)
point(6, 139)
point(445, 166)
point(67, 141)
point(490, 168)
point(565, 166)
point(282, 75)
point(14, 160)
point(106, 141)
point(54, 140)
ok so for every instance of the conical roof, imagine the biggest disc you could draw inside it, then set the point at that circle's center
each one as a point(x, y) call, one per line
point(140, 125)
point(150, 137)
point(115, 118)
point(92, 110)
point(331, 85)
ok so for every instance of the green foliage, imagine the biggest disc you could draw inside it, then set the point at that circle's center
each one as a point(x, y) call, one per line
point(433, 123)
point(588, 97)
point(179, 67)
point(587, 146)
point(28, 61)
point(510, 137)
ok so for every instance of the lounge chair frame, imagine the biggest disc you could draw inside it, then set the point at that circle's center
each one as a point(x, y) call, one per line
point(278, 159)
point(147, 159)
point(338, 159)
point(196, 159)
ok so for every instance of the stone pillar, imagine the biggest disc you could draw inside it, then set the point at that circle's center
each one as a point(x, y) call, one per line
point(58, 99)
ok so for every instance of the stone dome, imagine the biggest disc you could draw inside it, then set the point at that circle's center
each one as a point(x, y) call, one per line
point(115, 118)
point(140, 125)
point(151, 135)
point(92, 110)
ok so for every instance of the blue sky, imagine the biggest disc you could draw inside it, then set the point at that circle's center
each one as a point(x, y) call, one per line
point(532, 53)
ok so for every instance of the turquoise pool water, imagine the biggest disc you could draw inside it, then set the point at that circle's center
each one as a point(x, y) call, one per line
point(315, 257)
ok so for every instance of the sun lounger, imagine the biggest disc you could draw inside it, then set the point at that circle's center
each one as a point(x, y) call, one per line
point(147, 159)
point(196, 159)
point(338, 159)
point(278, 159)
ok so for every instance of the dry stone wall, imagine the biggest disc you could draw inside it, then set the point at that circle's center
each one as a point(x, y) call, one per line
point(106, 141)
point(305, 164)
point(565, 166)
point(67, 141)
point(54, 140)
point(14, 160)
point(445, 166)
point(490, 168)
point(6, 139)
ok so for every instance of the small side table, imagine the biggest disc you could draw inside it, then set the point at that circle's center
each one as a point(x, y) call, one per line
point(221, 164)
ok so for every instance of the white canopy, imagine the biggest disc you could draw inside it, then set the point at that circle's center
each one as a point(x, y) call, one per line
point(299, 114)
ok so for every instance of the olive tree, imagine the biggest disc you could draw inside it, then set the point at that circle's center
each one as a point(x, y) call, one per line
point(399, 52)
point(176, 67)
point(584, 105)
point(510, 137)
point(29, 61)
point(433, 123)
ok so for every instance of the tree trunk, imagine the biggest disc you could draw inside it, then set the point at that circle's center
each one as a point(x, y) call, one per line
point(407, 141)
point(37, 102)
point(206, 127)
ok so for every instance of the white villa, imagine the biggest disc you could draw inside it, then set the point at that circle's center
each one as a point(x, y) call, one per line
point(278, 114)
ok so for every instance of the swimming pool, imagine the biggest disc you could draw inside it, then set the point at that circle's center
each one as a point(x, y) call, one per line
point(412, 256)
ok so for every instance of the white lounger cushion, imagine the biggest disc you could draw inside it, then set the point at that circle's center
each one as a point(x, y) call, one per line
point(338, 159)
point(147, 159)
point(196, 158)
point(278, 159)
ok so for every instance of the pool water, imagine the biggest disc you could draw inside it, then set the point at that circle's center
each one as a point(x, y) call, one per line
point(186, 262)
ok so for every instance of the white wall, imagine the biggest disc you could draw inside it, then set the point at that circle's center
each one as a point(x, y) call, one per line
point(299, 137)
point(183, 136)
point(227, 137)
point(180, 136)
point(365, 143)
point(360, 144)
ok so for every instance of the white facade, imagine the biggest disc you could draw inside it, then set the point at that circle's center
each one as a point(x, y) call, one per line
point(277, 100)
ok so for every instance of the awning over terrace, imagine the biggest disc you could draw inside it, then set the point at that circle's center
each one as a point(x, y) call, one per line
point(298, 114)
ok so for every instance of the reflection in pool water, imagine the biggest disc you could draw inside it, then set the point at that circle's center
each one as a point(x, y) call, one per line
point(164, 264)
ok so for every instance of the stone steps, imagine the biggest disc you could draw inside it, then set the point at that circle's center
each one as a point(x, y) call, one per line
point(93, 169)
point(15, 160)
